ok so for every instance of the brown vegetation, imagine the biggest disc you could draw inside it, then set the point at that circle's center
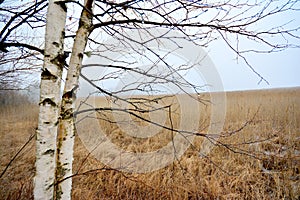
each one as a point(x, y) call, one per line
point(270, 172)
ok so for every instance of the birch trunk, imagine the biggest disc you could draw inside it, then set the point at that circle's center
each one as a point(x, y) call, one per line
point(66, 133)
point(49, 102)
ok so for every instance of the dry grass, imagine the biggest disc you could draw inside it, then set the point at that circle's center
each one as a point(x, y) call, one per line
point(273, 114)
point(17, 124)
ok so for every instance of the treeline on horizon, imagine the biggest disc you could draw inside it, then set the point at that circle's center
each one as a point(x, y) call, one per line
point(17, 97)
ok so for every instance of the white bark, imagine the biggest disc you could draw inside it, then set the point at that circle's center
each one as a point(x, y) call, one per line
point(67, 127)
point(49, 102)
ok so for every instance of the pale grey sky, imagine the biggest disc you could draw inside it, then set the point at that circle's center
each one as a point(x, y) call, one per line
point(280, 69)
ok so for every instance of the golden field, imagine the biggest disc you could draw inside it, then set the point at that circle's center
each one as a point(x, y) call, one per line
point(260, 161)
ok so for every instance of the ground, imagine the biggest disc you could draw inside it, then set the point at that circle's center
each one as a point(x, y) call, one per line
point(264, 165)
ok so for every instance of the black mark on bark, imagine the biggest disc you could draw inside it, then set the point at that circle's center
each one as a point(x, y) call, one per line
point(47, 75)
point(62, 5)
point(80, 55)
point(48, 101)
point(49, 151)
point(60, 59)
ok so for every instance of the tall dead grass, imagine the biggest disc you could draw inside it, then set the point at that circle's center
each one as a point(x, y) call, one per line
point(17, 127)
point(272, 137)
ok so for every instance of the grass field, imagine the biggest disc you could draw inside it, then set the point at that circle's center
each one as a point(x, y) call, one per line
point(261, 161)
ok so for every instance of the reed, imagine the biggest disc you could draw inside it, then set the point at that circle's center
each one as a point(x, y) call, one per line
point(270, 172)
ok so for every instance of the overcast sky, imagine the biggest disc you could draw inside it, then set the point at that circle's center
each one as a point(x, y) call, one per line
point(280, 69)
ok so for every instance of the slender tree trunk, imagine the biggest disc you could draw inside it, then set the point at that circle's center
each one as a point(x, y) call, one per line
point(49, 101)
point(66, 133)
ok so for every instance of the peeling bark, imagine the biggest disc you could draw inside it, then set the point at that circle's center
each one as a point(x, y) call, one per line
point(49, 103)
point(66, 133)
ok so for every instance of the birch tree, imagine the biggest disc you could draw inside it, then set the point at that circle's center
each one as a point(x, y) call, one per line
point(224, 21)
point(200, 22)
point(66, 124)
point(50, 101)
